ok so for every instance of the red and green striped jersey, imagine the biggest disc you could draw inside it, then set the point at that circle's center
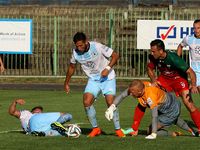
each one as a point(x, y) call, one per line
point(171, 66)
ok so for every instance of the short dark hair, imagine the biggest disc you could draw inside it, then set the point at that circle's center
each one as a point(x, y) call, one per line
point(197, 21)
point(137, 83)
point(159, 43)
point(79, 36)
point(37, 107)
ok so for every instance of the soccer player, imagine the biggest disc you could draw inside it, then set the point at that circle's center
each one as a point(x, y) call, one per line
point(93, 57)
point(38, 123)
point(173, 76)
point(165, 108)
point(193, 41)
point(1, 65)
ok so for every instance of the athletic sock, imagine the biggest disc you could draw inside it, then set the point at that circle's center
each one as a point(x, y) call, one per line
point(182, 124)
point(196, 118)
point(64, 118)
point(116, 119)
point(91, 114)
point(138, 115)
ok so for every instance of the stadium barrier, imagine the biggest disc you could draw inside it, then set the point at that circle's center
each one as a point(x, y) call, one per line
point(54, 27)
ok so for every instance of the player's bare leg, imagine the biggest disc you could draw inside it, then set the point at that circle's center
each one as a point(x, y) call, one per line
point(194, 112)
point(88, 100)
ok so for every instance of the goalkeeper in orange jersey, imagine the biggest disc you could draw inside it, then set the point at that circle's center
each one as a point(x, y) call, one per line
point(165, 108)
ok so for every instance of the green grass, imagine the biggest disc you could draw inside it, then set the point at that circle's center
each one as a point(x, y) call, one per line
point(72, 103)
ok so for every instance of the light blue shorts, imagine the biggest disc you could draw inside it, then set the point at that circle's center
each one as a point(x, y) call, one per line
point(42, 123)
point(107, 87)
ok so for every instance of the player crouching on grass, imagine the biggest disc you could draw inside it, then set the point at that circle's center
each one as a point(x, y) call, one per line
point(38, 123)
point(165, 108)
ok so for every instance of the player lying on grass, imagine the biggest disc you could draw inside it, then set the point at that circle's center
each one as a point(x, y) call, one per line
point(38, 123)
point(165, 108)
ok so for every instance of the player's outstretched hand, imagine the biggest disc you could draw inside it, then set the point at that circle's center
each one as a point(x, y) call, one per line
point(151, 136)
point(20, 101)
point(109, 112)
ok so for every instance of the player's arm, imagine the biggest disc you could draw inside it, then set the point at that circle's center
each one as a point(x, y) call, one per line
point(151, 65)
point(192, 75)
point(151, 74)
point(121, 97)
point(179, 50)
point(116, 102)
point(183, 43)
point(1, 65)
point(12, 108)
point(154, 124)
point(154, 119)
point(69, 74)
point(183, 66)
point(114, 58)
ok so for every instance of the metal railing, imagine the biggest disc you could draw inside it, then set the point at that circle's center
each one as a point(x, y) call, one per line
point(54, 27)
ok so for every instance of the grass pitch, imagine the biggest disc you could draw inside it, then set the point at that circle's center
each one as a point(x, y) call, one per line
point(11, 138)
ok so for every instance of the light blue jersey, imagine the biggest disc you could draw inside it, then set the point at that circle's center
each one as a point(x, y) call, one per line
point(94, 61)
point(194, 54)
point(41, 122)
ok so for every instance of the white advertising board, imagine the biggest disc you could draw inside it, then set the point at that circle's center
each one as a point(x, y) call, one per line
point(171, 32)
point(16, 36)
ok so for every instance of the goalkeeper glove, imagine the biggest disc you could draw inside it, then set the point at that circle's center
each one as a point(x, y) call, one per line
point(109, 112)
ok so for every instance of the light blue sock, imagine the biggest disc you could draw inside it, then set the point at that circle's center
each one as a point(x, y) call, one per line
point(116, 119)
point(64, 118)
point(91, 114)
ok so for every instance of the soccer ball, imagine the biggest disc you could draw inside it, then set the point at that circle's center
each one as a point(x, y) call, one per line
point(73, 131)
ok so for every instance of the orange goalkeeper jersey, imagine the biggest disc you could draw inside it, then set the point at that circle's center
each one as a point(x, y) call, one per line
point(153, 96)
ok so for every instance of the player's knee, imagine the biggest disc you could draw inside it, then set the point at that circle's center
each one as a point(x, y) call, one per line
point(88, 100)
point(87, 103)
point(190, 106)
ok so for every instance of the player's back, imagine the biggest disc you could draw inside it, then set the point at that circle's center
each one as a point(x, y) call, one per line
point(153, 96)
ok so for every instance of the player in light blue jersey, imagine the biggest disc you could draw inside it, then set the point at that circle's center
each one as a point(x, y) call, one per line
point(193, 41)
point(38, 123)
point(94, 60)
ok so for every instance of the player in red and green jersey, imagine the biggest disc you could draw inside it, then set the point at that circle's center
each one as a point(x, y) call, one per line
point(173, 76)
